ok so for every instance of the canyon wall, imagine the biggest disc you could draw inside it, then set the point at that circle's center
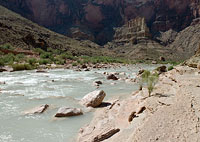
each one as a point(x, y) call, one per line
point(132, 32)
point(99, 17)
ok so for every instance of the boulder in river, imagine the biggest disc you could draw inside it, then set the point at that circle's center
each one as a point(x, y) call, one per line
point(97, 83)
point(112, 77)
point(93, 99)
point(3, 82)
point(41, 71)
point(38, 109)
point(87, 69)
point(67, 112)
point(84, 66)
point(122, 73)
point(140, 72)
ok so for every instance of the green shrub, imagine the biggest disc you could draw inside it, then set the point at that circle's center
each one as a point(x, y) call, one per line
point(60, 61)
point(20, 67)
point(32, 61)
point(150, 80)
point(7, 46)
point(8, 58)
point(19, 57)
point(1, 53)
point(39, 50)
point(44, 61)
point(28, 67)
point(170, 68)
point(45, 55)
point(1, 62)
point(74, 64)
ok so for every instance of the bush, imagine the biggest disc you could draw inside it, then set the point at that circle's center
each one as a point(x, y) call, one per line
point(19, 57)
point(32, 61)
point(1, 53)
point(74, 64)
point(45, 55)
point(60, 61)
point(1, 62)
point(44, 61)
point(8, 59)
point(20, 67)
point(7, 46)
point(67, 55)
point(150, 80)
point(170, 68)
point(39, 50)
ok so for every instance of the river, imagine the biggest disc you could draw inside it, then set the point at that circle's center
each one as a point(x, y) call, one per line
point(24, 90)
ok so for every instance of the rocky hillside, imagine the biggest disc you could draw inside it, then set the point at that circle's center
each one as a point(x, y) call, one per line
point(95, 19)
point(24, 34)
point(186, 43)
point(135, 38)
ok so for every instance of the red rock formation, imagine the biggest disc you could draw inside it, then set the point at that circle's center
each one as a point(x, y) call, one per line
point(132, 32)
point(100, 16)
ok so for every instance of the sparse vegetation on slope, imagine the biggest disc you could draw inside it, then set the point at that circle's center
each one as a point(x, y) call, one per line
point(149, 79)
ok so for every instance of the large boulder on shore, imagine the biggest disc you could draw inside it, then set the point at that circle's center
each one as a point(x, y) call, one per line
point(66, 112)
point(93, 99)
point(38, 109)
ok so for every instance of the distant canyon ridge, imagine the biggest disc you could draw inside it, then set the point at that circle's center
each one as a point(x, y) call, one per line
point(96, 19)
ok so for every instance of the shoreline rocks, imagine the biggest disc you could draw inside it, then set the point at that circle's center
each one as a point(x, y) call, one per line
point(37, 110)
point(93, 99)
point(97, 83)
point(173, 106)
point(112, 77)
point(67, 112)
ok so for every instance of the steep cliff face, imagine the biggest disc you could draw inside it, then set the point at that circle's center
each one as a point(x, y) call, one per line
point(132, 32)
point(100, 16)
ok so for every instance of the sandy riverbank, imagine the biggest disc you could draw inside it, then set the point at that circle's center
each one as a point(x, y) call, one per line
point(172, 113)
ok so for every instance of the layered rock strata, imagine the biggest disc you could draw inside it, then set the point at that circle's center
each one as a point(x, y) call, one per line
point(132, 32)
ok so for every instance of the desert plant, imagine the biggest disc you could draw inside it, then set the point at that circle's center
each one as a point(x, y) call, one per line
point(20, 67)
point(1, 63)
point(59, 61)
point(32, 61)
point(8, 58)
point(170, 68)
point(39, 50)
point(150, 79)
point(74, 64)
point(45, 55)
point(19, 57)
point(7, 46)
point(44, 61)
